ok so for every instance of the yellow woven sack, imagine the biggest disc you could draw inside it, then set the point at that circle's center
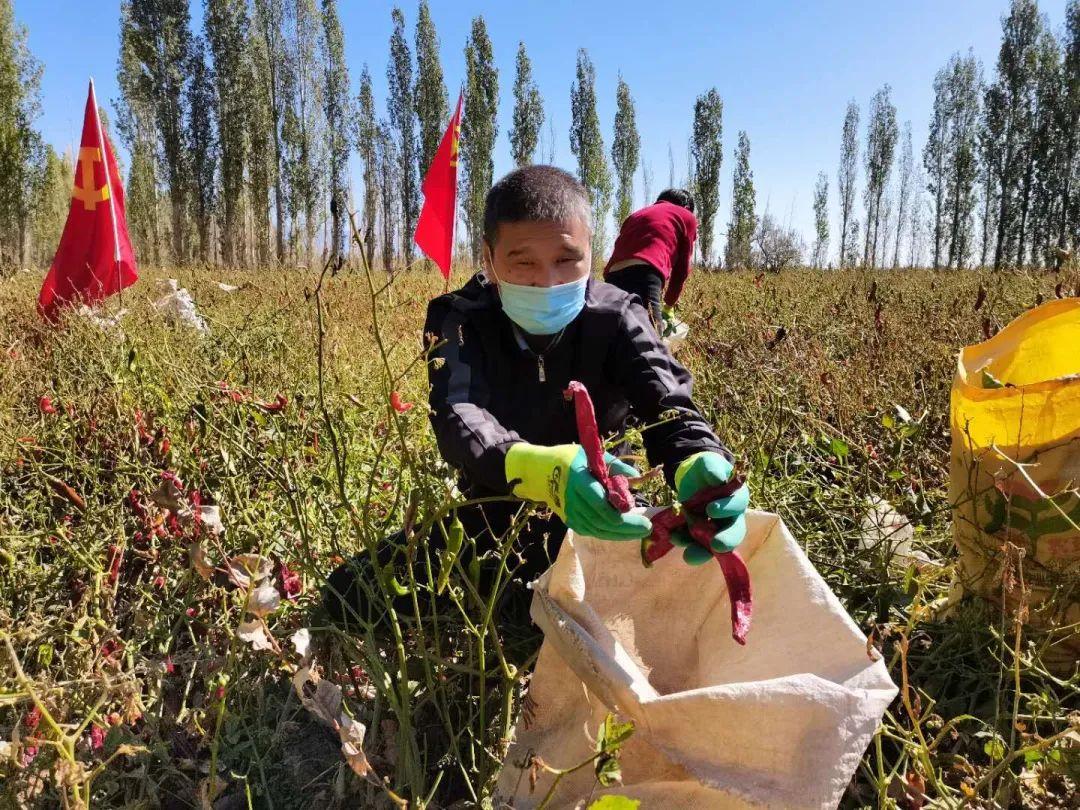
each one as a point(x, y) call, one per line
point(1016, 468)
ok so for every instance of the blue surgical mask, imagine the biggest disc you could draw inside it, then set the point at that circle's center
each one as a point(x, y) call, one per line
point(543, 310)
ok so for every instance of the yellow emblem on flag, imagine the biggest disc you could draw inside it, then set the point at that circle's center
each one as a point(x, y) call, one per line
point(455, 142)
point(87, 193)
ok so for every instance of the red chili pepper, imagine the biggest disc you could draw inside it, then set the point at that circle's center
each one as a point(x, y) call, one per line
point(291, 582)
point(67, 493)
point(45, 404)
point(702, 530)
point(740, 597)
point(398, 405)
point(32, 719)
point(116, 559)
point(617, 487)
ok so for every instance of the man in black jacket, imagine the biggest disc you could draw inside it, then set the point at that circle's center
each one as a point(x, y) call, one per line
point(503, 349)
point(507, 344)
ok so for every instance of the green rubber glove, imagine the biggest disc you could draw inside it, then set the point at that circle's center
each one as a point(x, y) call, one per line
point(559, 477)
point(710, 469)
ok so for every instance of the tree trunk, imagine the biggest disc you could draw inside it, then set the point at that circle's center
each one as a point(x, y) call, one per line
point(177, 224)
point(23, 242)
point(899, 228)
point(1025, 208)
point(866, 241)
point(937, 227)
point(1003, 208)
point(1066, 194)
point(844, 214)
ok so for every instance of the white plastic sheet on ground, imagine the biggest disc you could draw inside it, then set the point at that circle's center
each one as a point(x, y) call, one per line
point(178, 307)
point(781, 722)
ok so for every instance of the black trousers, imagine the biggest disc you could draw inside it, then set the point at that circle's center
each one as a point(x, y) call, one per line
point(535, 548)
point(646, 283)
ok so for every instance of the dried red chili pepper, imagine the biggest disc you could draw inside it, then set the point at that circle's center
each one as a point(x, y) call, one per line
point(702, 530)
point(617, 487)
point(737, 578)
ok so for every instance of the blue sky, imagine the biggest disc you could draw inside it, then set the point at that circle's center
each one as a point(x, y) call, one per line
point(785, 69)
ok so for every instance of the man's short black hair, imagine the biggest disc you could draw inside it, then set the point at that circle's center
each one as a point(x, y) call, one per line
point(535, 194)
point(678, 196)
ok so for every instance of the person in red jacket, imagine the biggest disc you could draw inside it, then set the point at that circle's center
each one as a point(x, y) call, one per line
point(653, 249)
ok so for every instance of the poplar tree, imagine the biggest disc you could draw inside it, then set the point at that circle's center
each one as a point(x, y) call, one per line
point(1049, 146)
point(478, 131)
point(399, 78)
point(934, 153)
point(821, 220)
point(432, 108)
point(202, 146)
point(962, 156)
point(389, 183)
point(625, 150)
point(22, 154)
point(262, 175)
point(338, 110)
point(528, 111)
point(303, 125)
point(847, 175)
point(951, 158)
point(743, 203)
point(159, 37)
point(136, 124)
point(273, 77)
point(707, 151)
point(903, 193)
point(880, 146)
point(225, 27)
point(367, 138)
point(51, 205)
point(1008, 122)
point(587, 145)
point(1068, 124)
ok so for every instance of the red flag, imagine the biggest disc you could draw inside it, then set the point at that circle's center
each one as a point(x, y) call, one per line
point(94, 258)
point(435, 227)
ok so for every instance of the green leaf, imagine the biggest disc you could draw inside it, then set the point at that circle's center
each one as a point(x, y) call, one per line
point(1032, 755)
point(888, 422)
point(995, 749)
point(839, 448)
point(615, 803)
point(608, 772)
point(612, 735)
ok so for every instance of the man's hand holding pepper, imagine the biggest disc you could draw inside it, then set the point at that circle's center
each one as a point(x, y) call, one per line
point(698, 472)
point(559, 477)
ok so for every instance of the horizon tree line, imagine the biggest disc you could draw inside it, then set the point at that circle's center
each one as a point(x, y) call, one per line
point(239, 139)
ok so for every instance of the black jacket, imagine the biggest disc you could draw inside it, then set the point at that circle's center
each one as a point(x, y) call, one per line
point(489, 389)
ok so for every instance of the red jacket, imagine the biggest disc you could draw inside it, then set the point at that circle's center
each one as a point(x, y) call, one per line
point(661, 235)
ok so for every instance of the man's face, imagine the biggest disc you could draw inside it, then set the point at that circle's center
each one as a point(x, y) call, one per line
point(541, 254)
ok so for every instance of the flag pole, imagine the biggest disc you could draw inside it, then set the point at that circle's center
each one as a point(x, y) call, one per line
point(453, 219)
point(112, 201)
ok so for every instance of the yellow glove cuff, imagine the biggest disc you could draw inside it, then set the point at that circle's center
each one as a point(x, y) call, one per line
point(539, 473)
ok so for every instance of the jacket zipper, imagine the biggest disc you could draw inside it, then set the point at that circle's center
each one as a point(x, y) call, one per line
point(541, 371)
